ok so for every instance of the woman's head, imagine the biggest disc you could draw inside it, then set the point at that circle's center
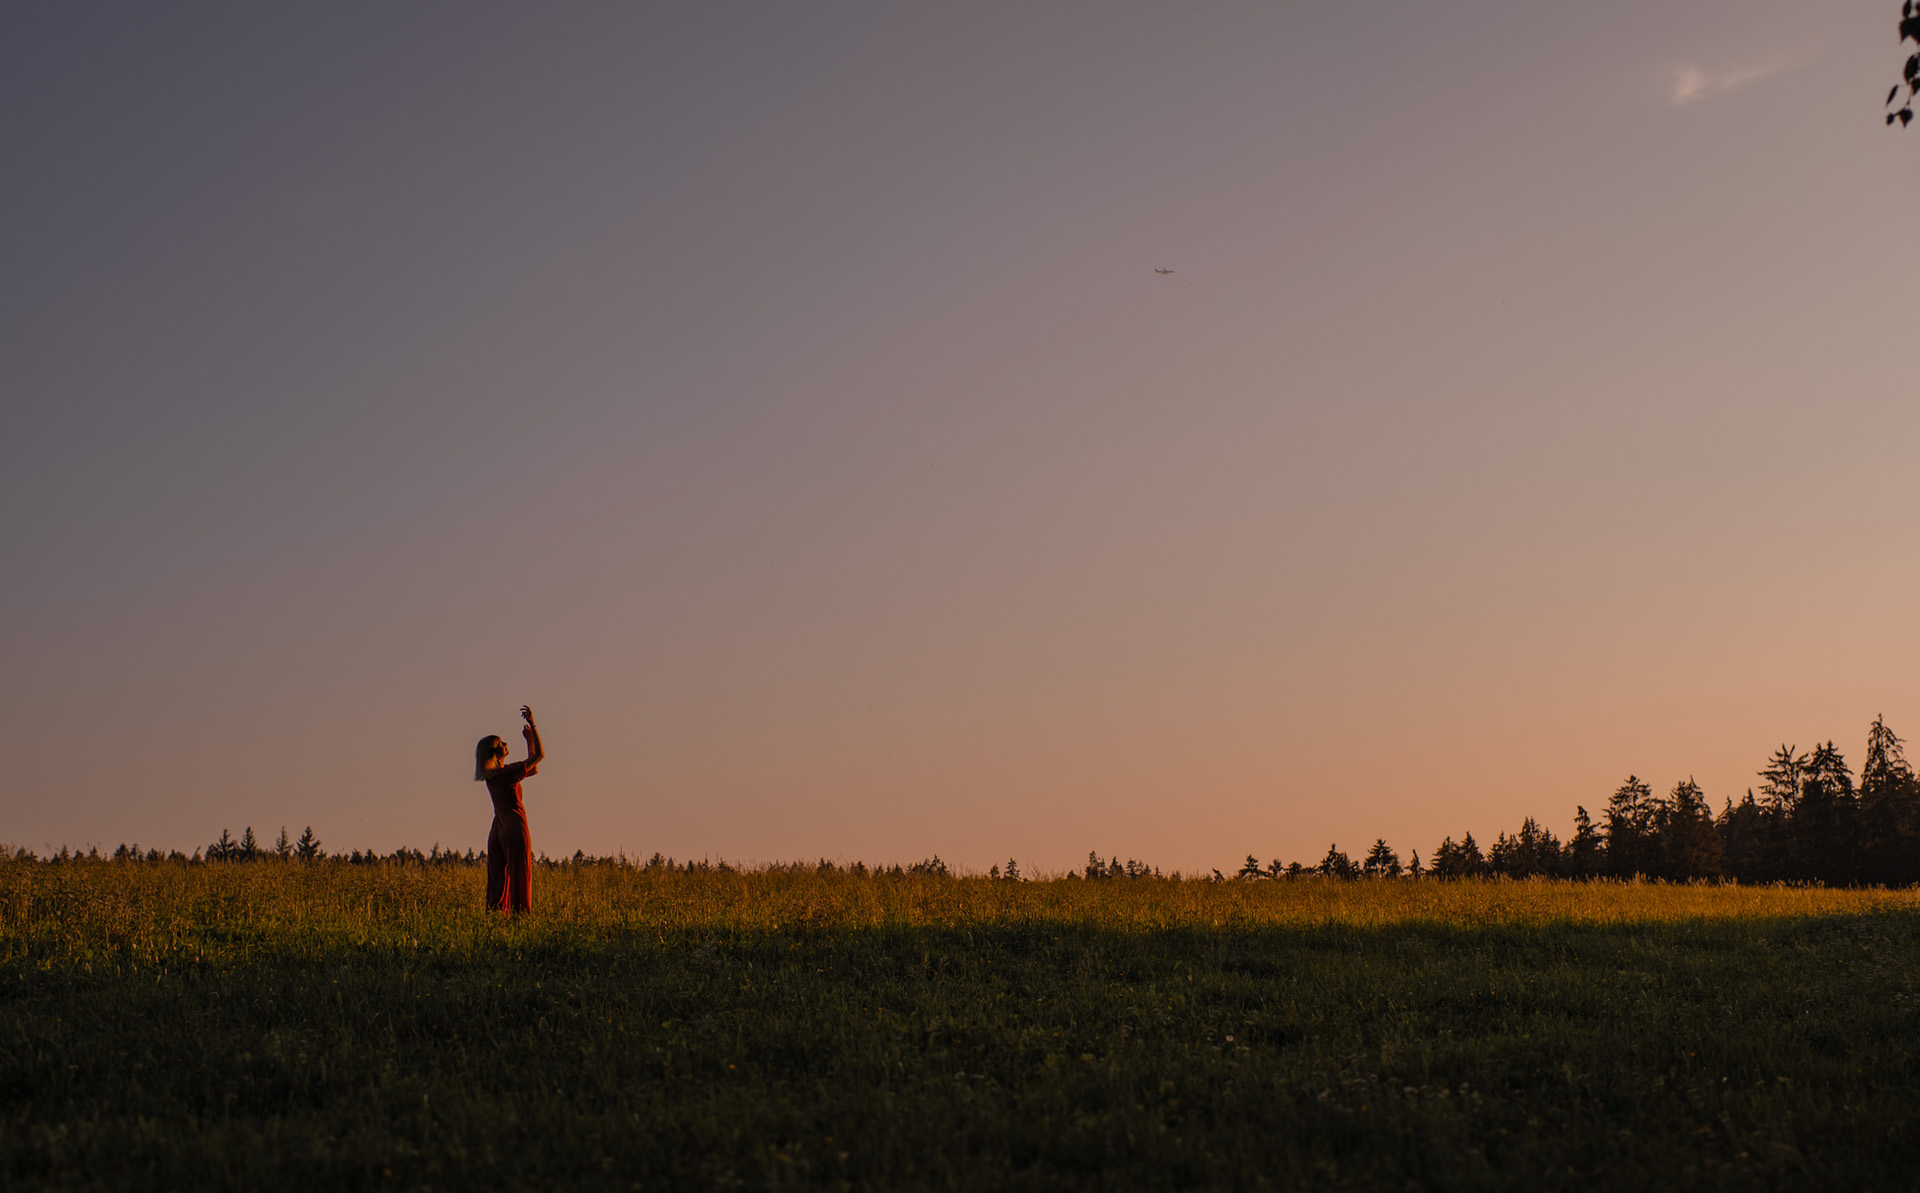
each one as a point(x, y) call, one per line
point(487, 755)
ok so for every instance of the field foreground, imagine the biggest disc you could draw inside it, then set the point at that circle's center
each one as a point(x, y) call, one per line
point(269, 1024)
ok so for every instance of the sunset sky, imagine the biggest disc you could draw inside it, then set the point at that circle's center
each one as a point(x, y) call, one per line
point(782, 400)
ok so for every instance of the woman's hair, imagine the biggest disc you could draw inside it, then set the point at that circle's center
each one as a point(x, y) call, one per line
point(484, 752)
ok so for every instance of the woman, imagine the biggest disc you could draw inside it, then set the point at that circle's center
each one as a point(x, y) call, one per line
point(509, 846)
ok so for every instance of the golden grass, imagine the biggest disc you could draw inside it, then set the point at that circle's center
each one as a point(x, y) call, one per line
point(156, 914)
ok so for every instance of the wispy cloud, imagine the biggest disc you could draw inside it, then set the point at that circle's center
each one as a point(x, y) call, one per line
point(1693, 83)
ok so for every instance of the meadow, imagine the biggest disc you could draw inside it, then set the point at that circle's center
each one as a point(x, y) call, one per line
point(326, 1025)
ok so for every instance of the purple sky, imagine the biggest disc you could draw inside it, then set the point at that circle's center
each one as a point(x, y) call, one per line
point(781, 399)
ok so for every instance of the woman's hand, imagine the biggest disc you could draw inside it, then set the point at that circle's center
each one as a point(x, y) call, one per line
point(535, 752)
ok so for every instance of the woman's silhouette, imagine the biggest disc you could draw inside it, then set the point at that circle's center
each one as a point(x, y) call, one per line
point(509, 845)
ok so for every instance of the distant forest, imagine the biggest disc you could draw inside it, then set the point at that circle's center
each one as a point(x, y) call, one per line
point(1807, 821)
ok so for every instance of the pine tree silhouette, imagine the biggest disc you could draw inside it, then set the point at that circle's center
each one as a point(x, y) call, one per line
point(1780, 779)
point(1751, 840)
point(1337, 865)
point(1585, 854)
point(1689, 840)
point(1630, 830)
point(1381, 861)
point(1889, 809)
point(1823, 840)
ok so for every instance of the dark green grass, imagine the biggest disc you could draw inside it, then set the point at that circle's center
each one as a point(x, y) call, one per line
point(1719, 1054)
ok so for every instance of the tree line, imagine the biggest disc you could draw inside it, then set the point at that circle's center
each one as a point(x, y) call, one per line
point(1807, 821)
point(248, 848)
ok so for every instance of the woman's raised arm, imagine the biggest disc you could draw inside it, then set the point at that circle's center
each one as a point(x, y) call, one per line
point(532, 733)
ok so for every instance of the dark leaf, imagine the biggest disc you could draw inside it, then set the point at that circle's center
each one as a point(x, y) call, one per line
point(1892, 93)
point(1912, 70)
point(1906, 117)
point(1910, 27)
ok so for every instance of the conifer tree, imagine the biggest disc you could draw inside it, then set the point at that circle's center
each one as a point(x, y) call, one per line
point(1460, 859)
point(1780, 779)
point(1337, 865)
point(307, 848)
point(1689, 840)
point(1823, 834)
point(1746, 833)
point(1585, 854)
point(1531, 852)
point(1630, 815)
point(1540, 848)
point(1503, 857)
point(1889, 809)
point(1765, 840)
point(1472, 863)
point(1381, 861)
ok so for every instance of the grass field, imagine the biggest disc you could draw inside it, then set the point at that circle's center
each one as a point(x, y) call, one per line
point(276, 1025)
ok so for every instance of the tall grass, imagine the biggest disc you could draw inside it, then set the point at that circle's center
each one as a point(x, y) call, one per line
point(90, 913)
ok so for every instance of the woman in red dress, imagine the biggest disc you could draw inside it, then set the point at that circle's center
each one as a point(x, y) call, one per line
point(509, 845)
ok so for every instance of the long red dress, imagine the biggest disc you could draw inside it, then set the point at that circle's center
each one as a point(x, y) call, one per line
point(509, 844)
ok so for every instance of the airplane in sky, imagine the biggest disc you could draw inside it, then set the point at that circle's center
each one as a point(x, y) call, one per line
point(1163, 271)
